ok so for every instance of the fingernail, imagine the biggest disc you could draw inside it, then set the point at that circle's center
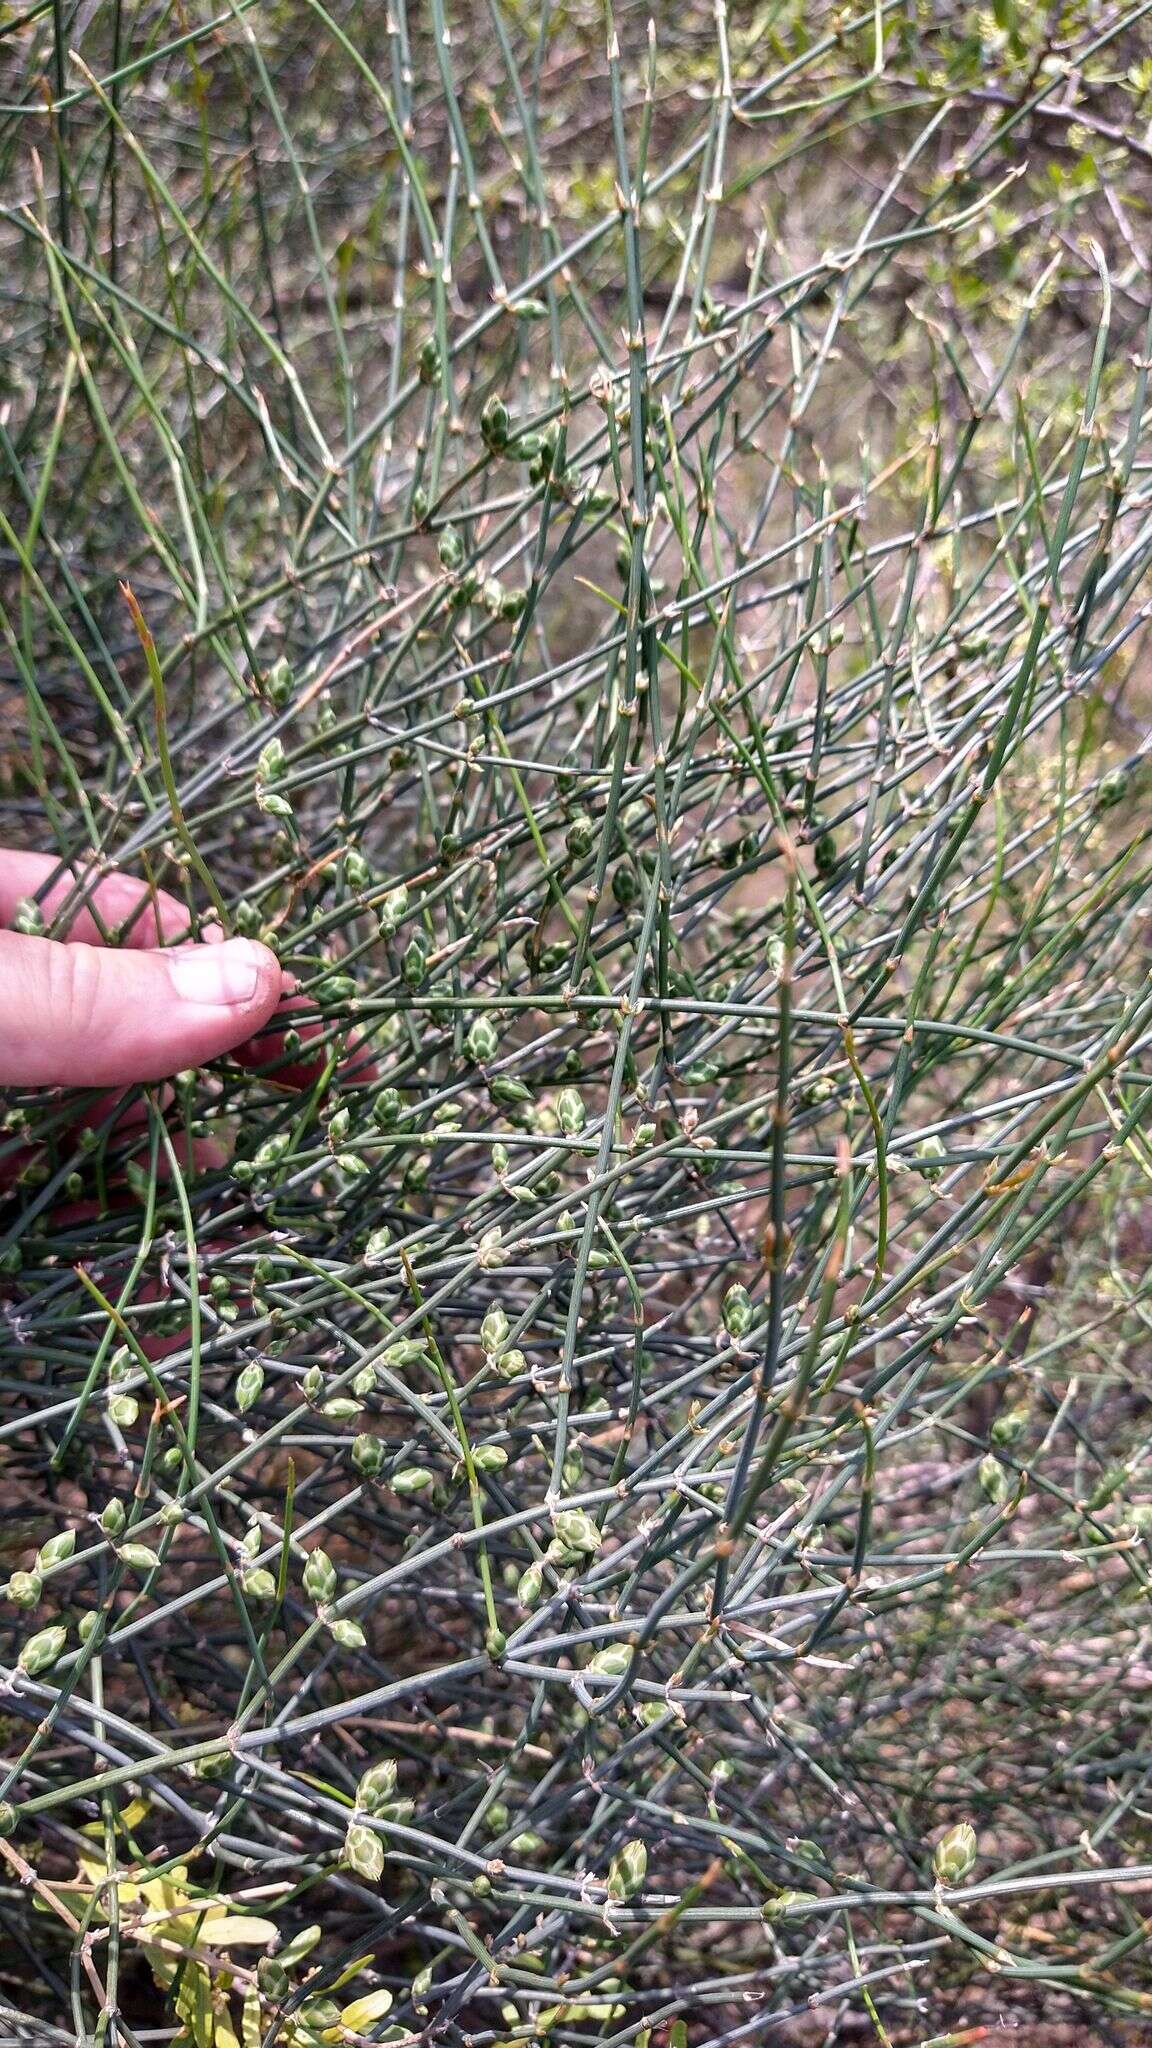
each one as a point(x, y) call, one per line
point(216, 975)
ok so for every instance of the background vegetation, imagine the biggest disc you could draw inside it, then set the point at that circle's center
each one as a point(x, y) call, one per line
point(628, 1518)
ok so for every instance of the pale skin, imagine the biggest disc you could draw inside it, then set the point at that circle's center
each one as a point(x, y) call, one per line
point(75, 1013)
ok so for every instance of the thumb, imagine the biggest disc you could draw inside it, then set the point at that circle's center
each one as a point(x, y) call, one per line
point(86, 1017)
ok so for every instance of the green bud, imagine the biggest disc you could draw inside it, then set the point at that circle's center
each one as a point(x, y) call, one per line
point(511, 1364)
point(737, 1310)
point(259, 1584)
point(273, 1979)
point(386, 1109)
point(406, 1351)
point(320, 1579)
point(378, 1246)
point(8, 1819)
point(648, 1712)
point(495, 1642)
point(278, 682)
point(428, 361)
point(398, 1810)
point(494, 1329)
point(627, 1870)
point(505, 1088)
point(527, 1843)
point(271, 760)
point(124, 1409)
point(570, 1111)
point(577, 1531)
point(249, 1386)
point(139, 1557)
point(336, 988)
point(393, 910)
point(377, 1785)
point(785, 1903)
point(57, 1550)
point(348, 1634)
point(272, 1151)
point(1010, 1425)
point(364, 1852)
point(500, 1157)
point(367, 1455)
point(611, 1662)
point(494, 424)
point(413, 1479)
point(113, 1518)
point(42, 1650)
point(929, 1152)
point(482, 1042)
point(1111, 789)
point(530, 1586)
point(994, 1480)
point(24, 1589)
point(955, 1853)
point(341, 1408)
point(580, 837)
point(29, 918)
point(450, 549)
point(490, 1458)
point(357, 872)
point(625, 884)
point(312, 1384)
point(272, 804)
point(414, 965)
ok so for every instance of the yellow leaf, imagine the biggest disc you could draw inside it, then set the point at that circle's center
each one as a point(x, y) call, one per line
point(235, 1930)
point(363, 2011)
point(225, 2031)
point(251, 2024)
point(348, 1975)
point(194, 2005)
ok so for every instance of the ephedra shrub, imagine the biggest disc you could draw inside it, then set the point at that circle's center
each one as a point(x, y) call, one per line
point(617, 1506)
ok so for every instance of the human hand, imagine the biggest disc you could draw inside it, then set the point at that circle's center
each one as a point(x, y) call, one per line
point(79, 1015)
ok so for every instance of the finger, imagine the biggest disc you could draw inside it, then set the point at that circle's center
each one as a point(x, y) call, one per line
point(140, 916)
point(83, 1017)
